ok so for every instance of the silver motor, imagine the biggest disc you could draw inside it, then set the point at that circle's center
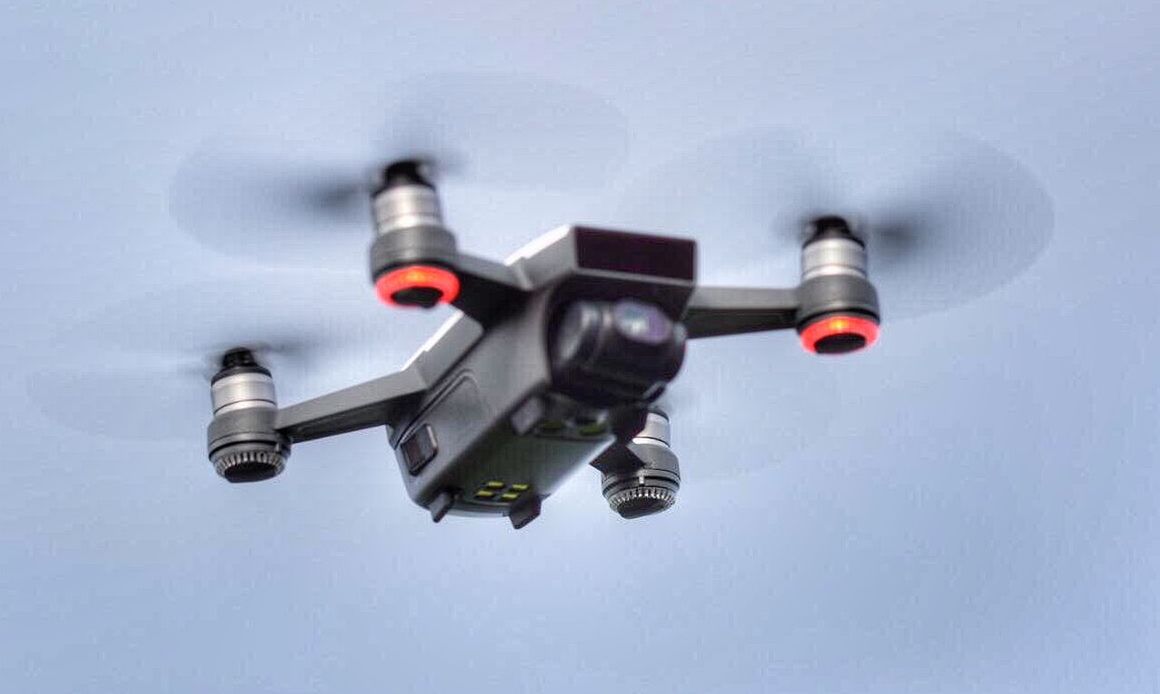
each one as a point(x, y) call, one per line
point(652, 487)
point(832, 249)
point(243, 444)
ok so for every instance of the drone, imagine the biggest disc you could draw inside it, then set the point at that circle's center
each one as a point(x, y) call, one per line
point(554, 360)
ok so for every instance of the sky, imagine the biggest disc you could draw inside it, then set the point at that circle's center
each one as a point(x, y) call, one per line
point(967, 507)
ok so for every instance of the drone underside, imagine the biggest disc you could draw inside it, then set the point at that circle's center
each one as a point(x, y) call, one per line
point(556, 359)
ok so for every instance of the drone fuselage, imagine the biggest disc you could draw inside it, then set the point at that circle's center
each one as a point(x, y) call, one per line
point(503, 425)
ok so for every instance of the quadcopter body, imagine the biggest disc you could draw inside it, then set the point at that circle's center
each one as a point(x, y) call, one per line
point(555, 361)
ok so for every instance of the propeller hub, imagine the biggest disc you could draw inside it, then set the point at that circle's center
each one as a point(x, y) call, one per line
point(830, 226)
point(407, 172)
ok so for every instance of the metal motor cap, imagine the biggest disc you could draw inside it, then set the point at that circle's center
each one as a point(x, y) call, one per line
point(405, 172)
point(832, 249)
point(238, 360)
point(241, 379)
point(406, 199)
point(656, 429)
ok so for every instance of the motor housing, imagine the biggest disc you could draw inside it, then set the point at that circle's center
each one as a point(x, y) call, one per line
point(412, 259)
point(242, 441)
point(838, 311)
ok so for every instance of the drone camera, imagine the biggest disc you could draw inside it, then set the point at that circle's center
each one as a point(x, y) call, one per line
point(413, 255)
point(243, 444)
point(839, 306)
point(609, 352)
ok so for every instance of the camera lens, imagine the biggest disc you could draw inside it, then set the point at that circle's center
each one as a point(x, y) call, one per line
point(610, 353)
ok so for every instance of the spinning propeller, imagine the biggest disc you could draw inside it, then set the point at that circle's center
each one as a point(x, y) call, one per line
point(945, 219)
point(562, 352)
point(150, 359)
point(293, 191)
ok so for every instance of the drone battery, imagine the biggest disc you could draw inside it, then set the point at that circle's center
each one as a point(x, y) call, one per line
point(494, 436)
point(491, 464)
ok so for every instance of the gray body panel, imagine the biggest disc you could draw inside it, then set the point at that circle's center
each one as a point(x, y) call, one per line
point(480, 381)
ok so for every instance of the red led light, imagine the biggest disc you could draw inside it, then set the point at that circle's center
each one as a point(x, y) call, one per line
point(417, 277)
point(843, 330)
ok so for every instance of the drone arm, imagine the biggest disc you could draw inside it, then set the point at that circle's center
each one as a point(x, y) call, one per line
point(486, 287)
point(714, 311)
point(363, 406)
